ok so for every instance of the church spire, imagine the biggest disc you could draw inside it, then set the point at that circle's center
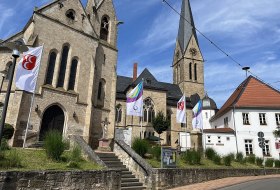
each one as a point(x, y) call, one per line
point(185, 26)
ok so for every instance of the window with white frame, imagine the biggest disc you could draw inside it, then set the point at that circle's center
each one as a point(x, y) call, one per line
point(226, 122)
point(262, 118)
point(245, 118)
point(249, 147)
point(266, 149)
point(277, 117)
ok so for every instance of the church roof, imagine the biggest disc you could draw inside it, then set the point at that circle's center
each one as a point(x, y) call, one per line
point(150, 82)
point(251, 93)
point(186, 26)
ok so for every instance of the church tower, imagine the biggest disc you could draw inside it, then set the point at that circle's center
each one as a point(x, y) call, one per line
point(188, 65)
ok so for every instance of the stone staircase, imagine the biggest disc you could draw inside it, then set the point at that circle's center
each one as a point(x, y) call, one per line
point(38, 144)
point(128, 180)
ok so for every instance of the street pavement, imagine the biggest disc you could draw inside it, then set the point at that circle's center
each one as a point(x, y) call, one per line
point(268, 182)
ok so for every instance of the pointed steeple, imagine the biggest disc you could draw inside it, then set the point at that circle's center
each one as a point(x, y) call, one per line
point(185, 26)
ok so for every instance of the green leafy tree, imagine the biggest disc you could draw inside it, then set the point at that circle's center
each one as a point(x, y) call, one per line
point(160, 123)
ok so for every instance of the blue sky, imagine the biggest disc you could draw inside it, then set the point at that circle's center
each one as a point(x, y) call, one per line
point(247, 30)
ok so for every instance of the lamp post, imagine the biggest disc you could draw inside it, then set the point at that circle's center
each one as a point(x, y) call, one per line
point(17, 47)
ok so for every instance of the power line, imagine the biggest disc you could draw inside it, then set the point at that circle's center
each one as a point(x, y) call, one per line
point(214, 44)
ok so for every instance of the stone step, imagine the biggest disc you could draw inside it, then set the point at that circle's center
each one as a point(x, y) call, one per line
point(125, 176)
point(126, 180)
point(39, 144)
point(131, 184)
point(110, 159)
point(106, 155)
point(133, 188)
point(126, 172)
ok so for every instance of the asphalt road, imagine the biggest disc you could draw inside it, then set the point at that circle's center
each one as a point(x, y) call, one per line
point(263, 184)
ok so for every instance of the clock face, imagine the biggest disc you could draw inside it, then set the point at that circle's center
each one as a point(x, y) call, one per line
point(193, 51)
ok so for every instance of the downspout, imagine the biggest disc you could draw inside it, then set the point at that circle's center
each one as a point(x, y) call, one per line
point(235, 129)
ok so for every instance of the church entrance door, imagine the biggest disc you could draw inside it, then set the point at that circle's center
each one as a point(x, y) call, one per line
point(53, 119)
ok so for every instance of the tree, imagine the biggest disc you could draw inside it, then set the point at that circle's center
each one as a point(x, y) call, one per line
point(160, 123)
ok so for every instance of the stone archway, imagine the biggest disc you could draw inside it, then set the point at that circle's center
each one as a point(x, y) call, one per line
point(53, 119)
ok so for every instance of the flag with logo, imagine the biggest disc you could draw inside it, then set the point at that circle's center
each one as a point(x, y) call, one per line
point(181, 110)
point(28, 69)
point(197, 116)
point(134, 102)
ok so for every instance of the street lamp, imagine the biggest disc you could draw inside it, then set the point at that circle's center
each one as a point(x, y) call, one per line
point(17, 47)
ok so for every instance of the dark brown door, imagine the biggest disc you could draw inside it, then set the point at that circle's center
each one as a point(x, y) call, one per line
point(53, 119)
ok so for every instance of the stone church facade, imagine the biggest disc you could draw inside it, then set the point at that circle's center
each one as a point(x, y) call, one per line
point(76, 84)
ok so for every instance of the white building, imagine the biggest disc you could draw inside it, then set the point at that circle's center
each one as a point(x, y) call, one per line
point(253, 107)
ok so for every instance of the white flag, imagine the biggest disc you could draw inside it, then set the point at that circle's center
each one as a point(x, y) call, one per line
point(197, 121)
point(181, 110)
point(134, 102)
point(28, 69)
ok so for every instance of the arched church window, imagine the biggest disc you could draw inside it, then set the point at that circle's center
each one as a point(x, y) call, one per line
point(9, 70)
point(190, 71)
point(104, 29)
point(50, 71)
point(118, 117)
point(63, 64)
point(73, 73)
point(101, 90)
point(179, 73)
point(70, 14)
point(195, 71)
point(149, 112)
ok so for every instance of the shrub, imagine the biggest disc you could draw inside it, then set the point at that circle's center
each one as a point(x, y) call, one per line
point(14, 159)
point(228, 159)
point(192, 157)
point(277, 163)
point(269, 162)
point(251, 159)
point(217, 159)
point(232, 156)
point(140, 146)
point(156, 152)
point(210, 153)
point(239, 157)
point(73, 164)
point(76, 153)
point(259, 161)
point(4, 145)
point(54, 144)
point(8, 131)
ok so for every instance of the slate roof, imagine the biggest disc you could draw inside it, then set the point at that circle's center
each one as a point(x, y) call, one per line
point(185, 28)
point(150, 82)
point(219, 130)
point(251, 93)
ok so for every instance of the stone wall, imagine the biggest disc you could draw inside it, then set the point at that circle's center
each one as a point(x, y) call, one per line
point(169, 178)
point(62, 180)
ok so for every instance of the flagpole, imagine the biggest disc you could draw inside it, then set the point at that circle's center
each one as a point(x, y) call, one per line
point(142, 110)
point(186, 122)
point(31, 106)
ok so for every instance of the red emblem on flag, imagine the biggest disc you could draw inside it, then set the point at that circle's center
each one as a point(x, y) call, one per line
point(29, 62)
point(181, 105)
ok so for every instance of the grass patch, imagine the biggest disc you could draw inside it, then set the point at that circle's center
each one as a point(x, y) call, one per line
point(31, 159)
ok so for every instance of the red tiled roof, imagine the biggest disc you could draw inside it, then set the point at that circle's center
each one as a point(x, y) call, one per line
point(219, 130)
point(251, 93)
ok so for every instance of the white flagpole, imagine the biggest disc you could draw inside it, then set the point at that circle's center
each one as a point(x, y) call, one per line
point(142, 110)
point(31, 106)
point(186, 122)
